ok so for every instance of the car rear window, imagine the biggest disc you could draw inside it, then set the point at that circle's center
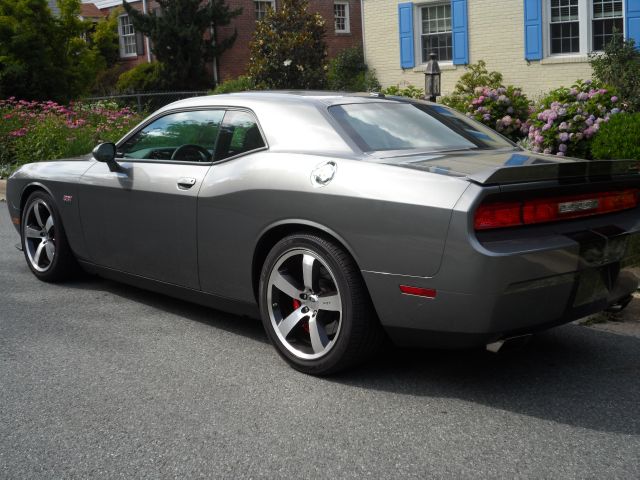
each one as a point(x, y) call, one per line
point(387, 126)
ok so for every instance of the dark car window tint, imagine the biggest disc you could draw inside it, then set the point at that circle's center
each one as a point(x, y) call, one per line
point(239, 134)
point(405, 126)
point(186, 136)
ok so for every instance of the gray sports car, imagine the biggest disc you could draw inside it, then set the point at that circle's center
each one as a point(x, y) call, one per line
point(339, 220)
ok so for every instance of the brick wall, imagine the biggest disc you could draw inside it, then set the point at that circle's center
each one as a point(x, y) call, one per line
point(234, 61)
point(496, 35)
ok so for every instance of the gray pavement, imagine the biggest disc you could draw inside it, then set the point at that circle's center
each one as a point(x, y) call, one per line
point(101, 380)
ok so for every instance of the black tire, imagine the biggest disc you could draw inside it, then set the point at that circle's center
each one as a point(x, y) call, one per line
point(360, 333)
point(64, 264)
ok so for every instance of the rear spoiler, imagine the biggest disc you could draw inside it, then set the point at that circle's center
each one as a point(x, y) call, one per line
point(587, 170)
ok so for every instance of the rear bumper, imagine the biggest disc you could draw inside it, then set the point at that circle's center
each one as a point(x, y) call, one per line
point(491, 290)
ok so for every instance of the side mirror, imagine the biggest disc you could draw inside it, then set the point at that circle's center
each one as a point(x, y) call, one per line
point(106, 152)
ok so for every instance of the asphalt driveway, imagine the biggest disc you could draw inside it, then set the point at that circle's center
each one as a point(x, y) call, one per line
point(102, 380)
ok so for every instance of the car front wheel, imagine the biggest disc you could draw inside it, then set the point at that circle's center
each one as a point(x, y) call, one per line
point(314, 305)
point(44, 242)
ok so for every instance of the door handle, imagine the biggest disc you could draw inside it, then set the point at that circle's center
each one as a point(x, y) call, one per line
point(186, 183)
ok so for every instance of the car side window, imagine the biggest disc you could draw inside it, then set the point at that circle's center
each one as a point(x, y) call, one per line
point(239, 134)
point(185, 136)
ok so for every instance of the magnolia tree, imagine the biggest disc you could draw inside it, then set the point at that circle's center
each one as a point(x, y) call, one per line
point(288, 48)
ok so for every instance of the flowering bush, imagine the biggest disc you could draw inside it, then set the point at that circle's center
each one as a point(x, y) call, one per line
point(505, 109)
point(34, 131)
point(566, 120)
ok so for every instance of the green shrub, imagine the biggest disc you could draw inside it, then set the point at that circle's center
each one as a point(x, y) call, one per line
point(348, 72)
point(476, 75)
point(619, 66)
point(618, 138)
point(146, 77)
point(408, 91)
point(240, 84)
point(566, 120)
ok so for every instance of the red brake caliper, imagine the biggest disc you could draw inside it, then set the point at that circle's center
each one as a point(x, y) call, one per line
point(296, 305)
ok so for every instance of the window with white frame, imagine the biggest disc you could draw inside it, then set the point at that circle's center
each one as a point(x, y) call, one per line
point(341, 17)
point(607, 18)
point(435, 31)
point(564, 25)
point(582, 26)
point(127, 37)
point(262, 7)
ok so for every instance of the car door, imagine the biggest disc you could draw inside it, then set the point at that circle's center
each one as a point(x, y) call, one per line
point(142, 219)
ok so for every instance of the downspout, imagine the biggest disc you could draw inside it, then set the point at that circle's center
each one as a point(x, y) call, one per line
point(215, 57)
point(146, 39)
point(364, 50)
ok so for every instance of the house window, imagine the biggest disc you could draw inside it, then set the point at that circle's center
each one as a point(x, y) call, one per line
point(607, 19)
point(436, 31)
point(262, 7)
point(565, 26)
point(127, 37)
point(582, 26)
point(341, 17)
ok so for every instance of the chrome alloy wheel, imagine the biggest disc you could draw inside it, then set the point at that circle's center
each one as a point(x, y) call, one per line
point(39, 235)
point(304, 304)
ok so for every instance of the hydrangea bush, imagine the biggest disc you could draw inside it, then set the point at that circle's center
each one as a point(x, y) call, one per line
point(565, 121)
point(505, 109)
point(34, 131)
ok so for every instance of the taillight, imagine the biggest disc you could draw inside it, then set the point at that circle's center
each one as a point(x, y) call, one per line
point(541, 210)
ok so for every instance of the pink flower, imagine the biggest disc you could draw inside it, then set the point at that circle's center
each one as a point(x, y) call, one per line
point(507, 120)
point(21, 132)
point(614, 99)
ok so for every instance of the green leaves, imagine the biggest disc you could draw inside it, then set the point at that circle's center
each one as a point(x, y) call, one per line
point(43, 57)
point(288, 49)
point(618, 138)
point(619, 66)
point(348, 72)
point(181, 41)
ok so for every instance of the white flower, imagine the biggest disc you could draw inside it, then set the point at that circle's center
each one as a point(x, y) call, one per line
point(286, 63)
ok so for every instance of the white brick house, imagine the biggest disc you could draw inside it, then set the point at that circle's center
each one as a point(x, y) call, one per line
point(535, 44)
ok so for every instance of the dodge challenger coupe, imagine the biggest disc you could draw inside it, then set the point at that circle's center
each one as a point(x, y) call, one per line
point(339, 220)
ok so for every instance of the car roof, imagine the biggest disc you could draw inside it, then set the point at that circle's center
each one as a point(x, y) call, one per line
point(317, 97)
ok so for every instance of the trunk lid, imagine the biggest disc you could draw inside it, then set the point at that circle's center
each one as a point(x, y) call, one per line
point(491, 167)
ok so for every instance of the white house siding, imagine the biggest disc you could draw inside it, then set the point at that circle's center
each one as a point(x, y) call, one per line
point(496, 35)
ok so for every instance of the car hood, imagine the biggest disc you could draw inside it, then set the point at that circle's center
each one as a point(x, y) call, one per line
point(501, 167)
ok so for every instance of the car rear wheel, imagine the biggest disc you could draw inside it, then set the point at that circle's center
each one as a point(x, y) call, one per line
point(314, 305)
point(44, 242)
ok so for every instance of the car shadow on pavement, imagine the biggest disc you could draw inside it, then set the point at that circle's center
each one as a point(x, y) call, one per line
point(247, 327)
point(572, 375)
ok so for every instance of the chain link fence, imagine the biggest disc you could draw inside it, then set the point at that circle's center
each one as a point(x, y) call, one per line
point(146, 102)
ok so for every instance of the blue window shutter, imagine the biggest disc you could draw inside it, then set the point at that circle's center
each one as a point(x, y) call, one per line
point(533, 29)
point(632, 20)
point(460, 32)
point(405, 24)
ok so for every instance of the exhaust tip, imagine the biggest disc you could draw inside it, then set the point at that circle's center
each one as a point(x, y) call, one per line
point(510, 343)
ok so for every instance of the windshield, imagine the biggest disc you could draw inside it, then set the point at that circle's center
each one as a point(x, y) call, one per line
point(388, 126)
